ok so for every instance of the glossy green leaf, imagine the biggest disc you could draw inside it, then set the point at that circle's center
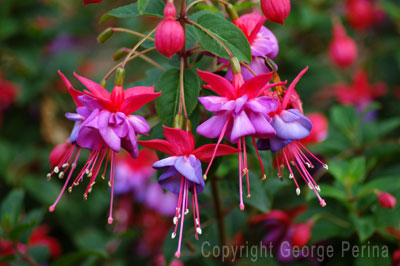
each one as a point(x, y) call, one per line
point(228, 33)
point(147, 7)
point(167, 104)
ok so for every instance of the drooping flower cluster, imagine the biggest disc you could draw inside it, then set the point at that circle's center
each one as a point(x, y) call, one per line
point(104, 125)
point(240, 111)
point(343, 49)
point(290, 127)
point(183, 172)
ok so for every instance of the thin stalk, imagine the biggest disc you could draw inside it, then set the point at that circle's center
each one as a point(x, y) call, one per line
point(248, 68)
point(137, 54)
point(181, 87)
point(24, 256)
point(137, 46)
point(219, 216)
point(192, 4)
point(132, 32)
point(147, 59)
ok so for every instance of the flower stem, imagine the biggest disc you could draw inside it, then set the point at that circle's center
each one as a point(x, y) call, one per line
point(147, 59)
point(248, 68)
point(181, 87)
point(24, 255)
point(131, 32)
point(192, 4)
point(127, 58)
point(220, 217)
point(137, 54)
point(212, 35)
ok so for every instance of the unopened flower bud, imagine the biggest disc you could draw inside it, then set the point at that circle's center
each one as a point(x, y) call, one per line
point(169, 36)
point(276, 10)
point(360, 14)
point(343, 49)
point(119, 76)
point(120, 54)
point(179, 121)
point(386, 200)
point(302, 234)
point(105, 35)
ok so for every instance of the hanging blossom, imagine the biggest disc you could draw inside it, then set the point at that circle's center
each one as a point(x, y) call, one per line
point(263, 43)
point(183, 173)
point(239, 111)
point(291, 125)
point(104, 125)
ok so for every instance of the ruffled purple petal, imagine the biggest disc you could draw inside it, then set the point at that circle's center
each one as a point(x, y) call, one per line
point(139, 124)
point(107, 133)
point(240, 102)
point(88, 135)
point(167, 162)
point(74, 117)
point(276, 144)
point(84, 111)
point(262, 104)
point(215, 103)
point(90, 102)
point(212, 127)
point(190, 168)
point(75, 131)
point(242, 126)
point(129, 143)
point(265, 44)
point(291, 125)
point(170, 180)
point(261, 125)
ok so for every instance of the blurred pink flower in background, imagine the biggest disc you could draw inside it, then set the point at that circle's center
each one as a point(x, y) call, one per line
point(343, 49)
point(319, 130)
point(361, 92)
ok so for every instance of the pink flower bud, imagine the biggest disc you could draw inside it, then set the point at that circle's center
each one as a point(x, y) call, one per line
point(343, 49)
point(169, 10)
point(319, 129)
point(302, 234)
point(58, 153)
point(386, 200)
point(276, 10)
point(169, 36)
point(85, 2)
point(360, 14)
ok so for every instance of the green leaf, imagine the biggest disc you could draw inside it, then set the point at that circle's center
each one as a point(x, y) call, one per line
point(390, 184)
point(364, 226)
point(146, 7)
point(11, 207)
point(259, 198)
point(167, 104)
point(39, 253)
point(345, 119)
point(349, 172)
point(228, 33)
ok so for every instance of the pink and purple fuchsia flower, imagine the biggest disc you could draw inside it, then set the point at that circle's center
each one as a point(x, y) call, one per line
point(263, 43)
point(239, 111)
point(291, 125)
point(104, 125)
point(183, 173)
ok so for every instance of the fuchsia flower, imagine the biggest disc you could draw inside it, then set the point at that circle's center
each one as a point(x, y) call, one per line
point(276, 10)
point(239, 111)
point(262, 41)
point(104, 125)
point(183, 171)
point(343, 49)
point(169, 36)
point(360, 93)
point(319, 130)
point(283, 233)
point(360, 14)
point(291, 126)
